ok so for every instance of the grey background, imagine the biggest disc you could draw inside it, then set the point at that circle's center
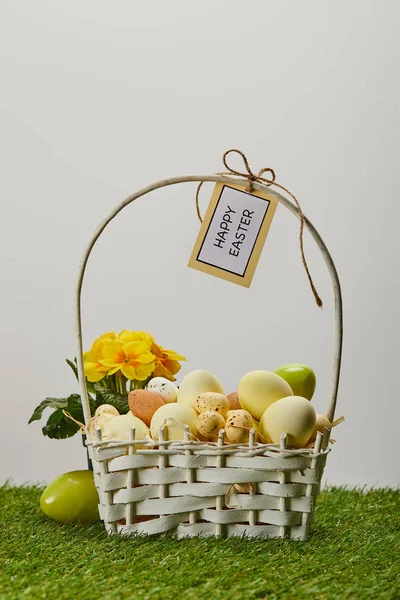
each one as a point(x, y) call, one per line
point(98, 99)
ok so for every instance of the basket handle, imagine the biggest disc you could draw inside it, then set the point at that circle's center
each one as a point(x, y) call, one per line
point(338, 338)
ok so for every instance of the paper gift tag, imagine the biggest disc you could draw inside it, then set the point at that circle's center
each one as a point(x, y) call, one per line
point(233, 233)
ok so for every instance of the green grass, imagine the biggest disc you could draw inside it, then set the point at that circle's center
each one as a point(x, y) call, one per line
point(354, 552)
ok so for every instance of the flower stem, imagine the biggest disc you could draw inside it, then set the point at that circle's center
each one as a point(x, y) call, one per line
point(140, 385)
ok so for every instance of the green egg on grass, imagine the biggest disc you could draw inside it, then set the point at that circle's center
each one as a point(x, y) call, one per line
point(72, 497)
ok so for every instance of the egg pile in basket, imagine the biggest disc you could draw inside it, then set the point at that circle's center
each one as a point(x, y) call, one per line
point(193, 461)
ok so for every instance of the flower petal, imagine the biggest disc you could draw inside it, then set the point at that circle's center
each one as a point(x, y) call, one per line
point(136, 347)
point(128, 371)
point(94, 371)
point(172, 366)
point(156, 350)
point(89, 367)
point(114, 370)
point(146, 358)
point(172, 355)
point(110, 363)
point(111, 348)
point(135, 336)
point(95, 377)
point(143, 372)
point(109, 335)
point(161, 371)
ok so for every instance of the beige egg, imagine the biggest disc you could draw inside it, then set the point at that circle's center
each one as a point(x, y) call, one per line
point(231, 412)
point(119, 428)
point(106, 408)
point(173, 416)
point(321, 424)
point(196, 383)
point(164, 388)
point(212, 401)
point(294, 416)
point(238, 426)
point(233, 400)
point(257, 390)
point(209, 423)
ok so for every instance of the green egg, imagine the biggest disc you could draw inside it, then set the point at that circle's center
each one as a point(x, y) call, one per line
point(72, 497)
point(301, 379)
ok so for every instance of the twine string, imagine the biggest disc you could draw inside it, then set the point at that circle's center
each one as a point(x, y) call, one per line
point(259, 177)
point(250, 176)
point(82, 426)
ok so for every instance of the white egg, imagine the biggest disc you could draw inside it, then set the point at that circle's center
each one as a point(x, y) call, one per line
point(196, 383)
point(172, 415)
point(164, 388)
point(106, 408)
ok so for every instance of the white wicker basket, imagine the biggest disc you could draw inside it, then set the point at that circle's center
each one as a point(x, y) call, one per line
point(192, 488)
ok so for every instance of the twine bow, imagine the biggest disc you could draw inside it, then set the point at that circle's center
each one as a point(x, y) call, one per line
point(251, 178)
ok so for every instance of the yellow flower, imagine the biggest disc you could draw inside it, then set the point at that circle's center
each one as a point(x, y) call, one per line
point(109, 335)
point(134, 354)
point(167, 364)
point(133, 359)
point(135, 336)
point(94, 369)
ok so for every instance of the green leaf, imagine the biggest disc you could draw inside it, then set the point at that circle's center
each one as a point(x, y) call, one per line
point(74, 367)
point(75, 409)
point(48, 402)
point(105, 396)
point(90, 387)
point(59, 426)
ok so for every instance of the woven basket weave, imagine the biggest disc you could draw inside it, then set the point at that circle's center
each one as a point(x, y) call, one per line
point(192, 488)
